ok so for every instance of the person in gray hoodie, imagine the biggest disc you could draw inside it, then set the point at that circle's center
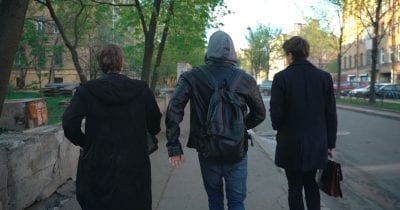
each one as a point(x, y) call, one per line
point(220, 62)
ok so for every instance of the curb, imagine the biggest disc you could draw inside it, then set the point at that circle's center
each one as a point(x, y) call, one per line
point(376, 112)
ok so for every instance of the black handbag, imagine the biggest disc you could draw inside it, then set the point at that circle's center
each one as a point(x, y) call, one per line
point(329, 179)
point(152, 143)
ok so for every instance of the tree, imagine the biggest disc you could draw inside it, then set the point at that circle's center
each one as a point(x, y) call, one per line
point(12, 16)
point(323, 43)
point(340, 6)
point(263, 42)
point(160, 21)
point(370, 16)
point(81, 16)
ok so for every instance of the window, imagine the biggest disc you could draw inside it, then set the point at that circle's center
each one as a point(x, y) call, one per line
point(391, 55)
point(356, 64)
point(350, 62)
point(344, 62)
point(382, 55)
point(382, 28)
point(369, 59)
point(58, 80)
point(361, 59)
point(398, 54)
point(40, 23)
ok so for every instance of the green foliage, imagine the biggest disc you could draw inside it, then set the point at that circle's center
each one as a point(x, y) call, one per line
point(264, 42)
point(332, 66)
point(55, 111)
point(324, 45)
point(380, 104)
point(31, 46)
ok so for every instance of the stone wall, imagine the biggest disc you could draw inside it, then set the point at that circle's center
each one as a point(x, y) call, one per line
point(33, 164)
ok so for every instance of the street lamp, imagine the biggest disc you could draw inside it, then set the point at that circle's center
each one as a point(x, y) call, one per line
point(253, 72)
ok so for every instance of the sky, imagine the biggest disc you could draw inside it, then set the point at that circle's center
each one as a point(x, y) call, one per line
point(277, 13)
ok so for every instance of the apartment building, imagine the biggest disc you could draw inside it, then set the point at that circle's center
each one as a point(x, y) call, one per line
point(47, 60)
point(357, 43)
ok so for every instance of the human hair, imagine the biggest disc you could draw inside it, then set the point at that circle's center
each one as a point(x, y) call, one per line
point(110, 58)
point(297, 46)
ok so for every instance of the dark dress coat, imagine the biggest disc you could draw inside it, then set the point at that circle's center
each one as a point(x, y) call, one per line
point(303, 111)
point(114, 167)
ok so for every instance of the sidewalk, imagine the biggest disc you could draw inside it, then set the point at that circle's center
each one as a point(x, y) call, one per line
point(182, 189)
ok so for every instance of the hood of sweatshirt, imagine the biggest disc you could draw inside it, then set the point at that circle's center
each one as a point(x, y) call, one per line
point(115, 88)
point(221, 48)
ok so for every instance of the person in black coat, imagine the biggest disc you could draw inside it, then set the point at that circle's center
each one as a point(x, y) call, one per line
point(303, 111)
point(114, 167)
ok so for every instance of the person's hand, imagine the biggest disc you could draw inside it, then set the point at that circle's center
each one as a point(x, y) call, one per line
point(330, 153)
point(176, 161)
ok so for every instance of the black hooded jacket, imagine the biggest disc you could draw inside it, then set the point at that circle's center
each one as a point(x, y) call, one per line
point(114, 167)
point(220, 60)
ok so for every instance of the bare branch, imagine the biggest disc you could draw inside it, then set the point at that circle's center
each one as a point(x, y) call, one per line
point(141, 16)
point(76, 23)
point(113, 4)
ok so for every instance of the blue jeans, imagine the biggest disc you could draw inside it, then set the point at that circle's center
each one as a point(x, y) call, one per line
point(235, 177)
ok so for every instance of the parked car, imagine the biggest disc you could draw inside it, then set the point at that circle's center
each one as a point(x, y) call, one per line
point(266, 86)
point(389, 91)
point(364, 91)
point(345, 87)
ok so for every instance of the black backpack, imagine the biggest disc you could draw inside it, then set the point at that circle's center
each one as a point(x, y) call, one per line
point(224, 131)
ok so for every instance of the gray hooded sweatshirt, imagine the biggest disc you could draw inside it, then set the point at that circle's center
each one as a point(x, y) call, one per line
point(221, 48)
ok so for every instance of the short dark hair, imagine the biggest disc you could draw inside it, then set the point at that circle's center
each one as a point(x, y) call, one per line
point(110, 58)
point(297, 46)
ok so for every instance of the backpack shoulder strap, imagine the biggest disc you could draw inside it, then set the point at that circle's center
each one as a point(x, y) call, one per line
point(209, 77)
point(237, 74)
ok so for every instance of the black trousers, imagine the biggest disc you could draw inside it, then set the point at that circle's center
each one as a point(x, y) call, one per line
point(296, 181)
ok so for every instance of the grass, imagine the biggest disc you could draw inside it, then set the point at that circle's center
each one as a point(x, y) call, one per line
point(379, 104)
point(54, 110)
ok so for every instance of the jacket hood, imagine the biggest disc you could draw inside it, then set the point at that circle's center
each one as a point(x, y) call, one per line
point(221, 48)
point(115, 88)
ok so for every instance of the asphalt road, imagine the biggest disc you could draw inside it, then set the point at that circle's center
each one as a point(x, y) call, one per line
point(368, 147)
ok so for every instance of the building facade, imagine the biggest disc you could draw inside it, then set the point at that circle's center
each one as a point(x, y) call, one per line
point(357, 42)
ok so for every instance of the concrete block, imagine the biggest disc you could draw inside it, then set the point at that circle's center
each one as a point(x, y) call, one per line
point(13, 115)
point(33, 164)
point(68, 156)
point(37, 153)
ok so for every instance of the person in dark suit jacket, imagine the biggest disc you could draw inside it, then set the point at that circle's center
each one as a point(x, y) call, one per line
point(303, 111)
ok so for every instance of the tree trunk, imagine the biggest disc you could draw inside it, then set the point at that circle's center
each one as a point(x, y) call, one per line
point(339, 61)
point(161, 47)
point(52, 65)
point(149, 39)
point(12, 16)
point(374, 53)
point(71, 47)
